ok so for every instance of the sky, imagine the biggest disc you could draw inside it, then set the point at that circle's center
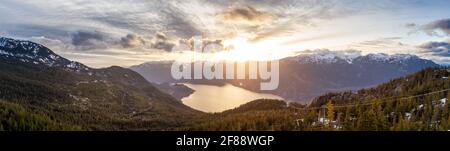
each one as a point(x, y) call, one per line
point(102, 33)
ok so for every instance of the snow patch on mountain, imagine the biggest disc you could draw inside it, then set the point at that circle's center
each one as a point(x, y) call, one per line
point(30, 52)
point(350, 56)
point(327, 56)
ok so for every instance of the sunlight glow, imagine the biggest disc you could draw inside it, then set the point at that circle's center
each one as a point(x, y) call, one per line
point(241, 49)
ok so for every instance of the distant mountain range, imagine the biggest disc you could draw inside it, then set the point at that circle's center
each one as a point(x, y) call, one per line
point(306, 76)
point(416, 102)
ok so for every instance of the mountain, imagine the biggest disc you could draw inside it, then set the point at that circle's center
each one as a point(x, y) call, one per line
point(29, 52)
point(158, 73)
point(416, 102)
point(48, 91)
point(306, 76)
point(430, 80)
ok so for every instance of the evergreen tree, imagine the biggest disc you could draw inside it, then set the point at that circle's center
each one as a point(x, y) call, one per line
point(330, 113)
point(400, 126)
point(339, 119)
point(348, 122)
point(380, 120)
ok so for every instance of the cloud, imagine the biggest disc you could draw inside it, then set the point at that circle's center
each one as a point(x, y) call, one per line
point(436, 48)
point(391, 43)
point(31, 30)
point(161, 41)
point(93, 25)
point(435, 27)
point(166, 46)
point(196, 43)
point(86, 40)
point(212, 45)
point(53, 44)
point(161, 36)
point(177, 21)
point(244, 15)
point(132, 41)
point(410, 25)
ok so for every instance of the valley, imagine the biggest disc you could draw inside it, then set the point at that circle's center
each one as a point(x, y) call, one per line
point(307, 76)
point(40, 90)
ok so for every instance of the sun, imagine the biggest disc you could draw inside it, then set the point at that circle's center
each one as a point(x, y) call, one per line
point(237, 43)
point(242, 49)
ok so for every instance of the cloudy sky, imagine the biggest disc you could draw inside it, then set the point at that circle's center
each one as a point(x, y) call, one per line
point(127, 32)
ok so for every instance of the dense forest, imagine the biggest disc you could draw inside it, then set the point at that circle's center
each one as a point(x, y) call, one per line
point(37, 97)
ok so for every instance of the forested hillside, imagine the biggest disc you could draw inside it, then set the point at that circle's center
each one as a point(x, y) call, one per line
point(418, 102)
point(40, 90)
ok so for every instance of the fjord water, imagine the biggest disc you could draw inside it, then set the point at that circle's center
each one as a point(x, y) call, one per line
point(210, 98)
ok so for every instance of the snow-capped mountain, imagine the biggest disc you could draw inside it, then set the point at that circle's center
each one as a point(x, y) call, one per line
point(327, 57)
point(29, 52)
point(306, 76)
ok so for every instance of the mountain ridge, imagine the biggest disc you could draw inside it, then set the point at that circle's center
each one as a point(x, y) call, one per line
point(31, 52)
point(416, 102)
point(327, 56)
point(306, 76)
point(106, 98)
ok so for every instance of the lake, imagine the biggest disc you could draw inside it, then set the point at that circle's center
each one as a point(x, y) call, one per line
point(210, 98)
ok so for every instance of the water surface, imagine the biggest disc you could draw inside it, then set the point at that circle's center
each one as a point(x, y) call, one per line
point(210, 98)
